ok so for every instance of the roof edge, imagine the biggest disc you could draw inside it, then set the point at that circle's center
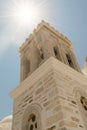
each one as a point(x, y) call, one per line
point(35, 31)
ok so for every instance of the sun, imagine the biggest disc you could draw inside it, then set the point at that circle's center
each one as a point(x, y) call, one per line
point(22, 16)
point(25, 13)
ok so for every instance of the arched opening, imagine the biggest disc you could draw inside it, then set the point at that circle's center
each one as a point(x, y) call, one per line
point(69, 60)
point(27, 67)
point(32, 122)
point(83, 101)
point(41, 54)
point(81, 98)
point(56, 52)
point(32, 118)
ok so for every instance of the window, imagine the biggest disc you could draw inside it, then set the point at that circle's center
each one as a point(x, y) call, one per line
point(41, 54)
point(32, 118)
point(83, 101)
point(27, 67)
point(56, 52)
point(69, 60)
point(32, 122)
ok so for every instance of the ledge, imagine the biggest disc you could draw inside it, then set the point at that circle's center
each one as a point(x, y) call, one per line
point(52, 64)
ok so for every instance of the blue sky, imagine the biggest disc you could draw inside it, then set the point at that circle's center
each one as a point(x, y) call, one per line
point(67, 16)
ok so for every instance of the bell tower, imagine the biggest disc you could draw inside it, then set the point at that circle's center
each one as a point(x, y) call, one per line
point(45, 42)
point(51, 88)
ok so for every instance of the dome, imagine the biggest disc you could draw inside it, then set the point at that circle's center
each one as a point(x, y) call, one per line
point(6, 123)
point(7, 119)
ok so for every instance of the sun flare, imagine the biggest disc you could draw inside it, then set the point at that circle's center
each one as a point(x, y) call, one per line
point(22, 16)
point(25, 14)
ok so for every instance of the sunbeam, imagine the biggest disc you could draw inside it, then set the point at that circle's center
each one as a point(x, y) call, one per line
point(22, 16)
point(26, 13)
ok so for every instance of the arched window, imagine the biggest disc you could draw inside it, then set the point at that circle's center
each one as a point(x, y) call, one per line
point(56, 52)
point(26, 68)
point(81, 98)
point(32, 122)
point(69, 60)
point(41, 54)
point(83, 101)
point(32, 118)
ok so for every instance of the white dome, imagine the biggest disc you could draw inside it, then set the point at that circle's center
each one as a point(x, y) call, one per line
point(7, 119)
point(6, 123)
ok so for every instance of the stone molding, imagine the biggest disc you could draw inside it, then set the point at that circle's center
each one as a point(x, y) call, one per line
point(52, 64)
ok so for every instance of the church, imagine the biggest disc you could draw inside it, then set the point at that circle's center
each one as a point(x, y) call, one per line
point(52, 94)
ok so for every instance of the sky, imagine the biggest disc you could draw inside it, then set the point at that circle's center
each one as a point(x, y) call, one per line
point(69, 17)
